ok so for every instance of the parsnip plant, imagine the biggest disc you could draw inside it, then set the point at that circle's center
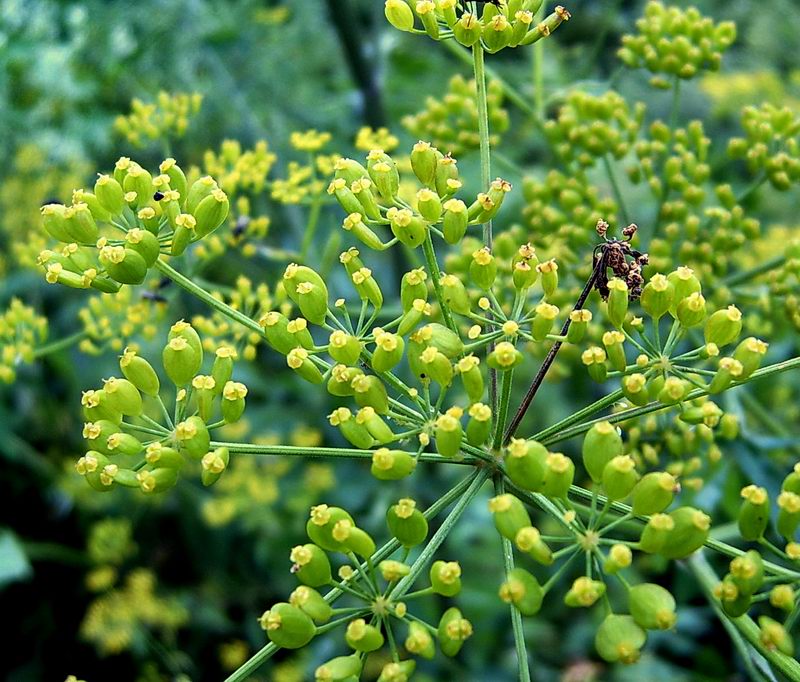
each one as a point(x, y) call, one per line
point(430, 374)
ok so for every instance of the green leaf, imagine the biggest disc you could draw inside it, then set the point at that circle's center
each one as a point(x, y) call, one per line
point(14, 565)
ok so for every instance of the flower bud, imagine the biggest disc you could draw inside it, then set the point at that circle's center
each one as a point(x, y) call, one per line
point(619, 639)
point(311, 565)
point(620, 477)
point(504, 356)
point(407, 523)
point(363, 637)
point(652, 606)
point(446, 578)
point(559, 470)
point(525, 463)
point(288, 626)
point(339, 669)
point(523, 591)
point(601, 444)
point(392, 465)
point(654, 493)
point(753, 512)
point(724, 326)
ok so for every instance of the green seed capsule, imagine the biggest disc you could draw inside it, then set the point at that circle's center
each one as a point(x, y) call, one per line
point(54, 221)
point(419, 641)
point(634, 386)
point(110, 194)
point(559, 471)
point(773, 635)
point(657, 296)
point(467, 30)
point(615, 350)
point(446, 180)
point(688, 535)
point(724, 326)
point(288, 626)
point(407, 523)
point(80, 223)
point(728, 371)
point(369, 391)
point(399, 14)
point(322, 522)
point(691, 311)
point(454, 294)
point(409, 229)
point(145, 243)
point(753, 512)
point(453, 631)
point(525, 464)
point(529, 540)
point(123, 396)
point(123, 444)
point(204, 394)
point(160, 456)
point(211, 212)
point(299, 360)
point(479, 425)
point(95, 407)
point(123, 265)
point(313, 301)
point(311, 565)
point(339, 669)
point(193, 437)
point(424, 158)
point(383, 172)
point(448, 434)
point(654, 493)
point(276, 332)
point(429, 205)
point(619, 639)
point(788, 514)
point(340, 382)
point(376, 426)
point(509, 515)
point(504, 357)
point(392, 465)
point(620, 477)
point(177, 178)
point(354, 431)
point(579, 323)
point(684, 283)
point(200, 189)
point(157, 480)
point(595, 360)
point(363, 637)
point(601, 444)
point(213, 465)
point(400, 671)
point(749, 353)
point(733, 602)
point(446, 578)
point(523, 590)
point(233, 403)
point(747, 572)
point(413, 287)
point(655, 533)
point(584, 592)
point(652, 606)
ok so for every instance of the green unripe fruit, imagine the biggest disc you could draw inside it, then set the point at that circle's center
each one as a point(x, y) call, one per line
point(96, 407)
point(559, 471)
point(454, 294)
point(529, 540)
point(161, 456)
point(376, 427)
point(615, 350)
point(144, 243)
point(448, 434)
point(747, 572)
point(363, 637)
point(321, 524)
point(388, 351)
point(523, 590)
point(734, 602)
point(773, 635)
point(543, 322)
point(691, 311)
point(344, 348)
point(467, 30)
point(509, 515)
point(753, 512)
point(200, 189)
point(392, 465)
point(412, 287)
point(749, 353)
point(313, 301)
point(181, 362)
point(339, 669)
point(654, 493)
point(620, 477)
point(483, 268)
point(525, 464)
point(354, 431)
point(634, 386)
point(673, 391)
point(724, 326)
point(276, 332)
point(288, 626)
point(424, 158)
point(407, 523)
point(684, 283)
point(579, 323)
point(504, 357)
point(728, 371)
point(123, 265)
point(193, 437)
point(584, 592)
point(399, 14)
point(652, 606)
point(788, 514)
point(688, 535)
point(429, 205)
point(233, 403)
point(80, 223)
point(453, 631)
point(311, 565)
point(471, 377)
point(369, 391)
point(123, 444)
point(409, 229)
point(123, 396)
point(211, 212)
point(657, 296)
point(110, 194)
point(479, 425)
point(446, 578)
point(400, 671)
point(619, 639)
point(419, 641)
point(54, 222)
point(549, 277)
point(497, 33)
point(601, 444)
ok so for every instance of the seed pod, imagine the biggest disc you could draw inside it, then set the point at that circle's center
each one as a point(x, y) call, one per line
point(446, 340)
point(749, 353)
point(523, 590)
point(471, 377)
point(123, 396)
point(354, 223)
point(369, 391)
point(311, 565)
point(97, 433)
point(619, 639)
point(584, 592)
point(193, 437)
point(467, 30)
point(452, 632)
point(321, 524)
point(654, 493)
point(423, 162)
point(673, 391)
point(355, 432)
point(523, 275)
point(691, 311)
point(407, 523)
point(773, 636)
point(435, 366)
point(792, 480)
point(400, 671)
point(733, 602)
point(753, 512)
point(181, 361)
point(288, 626)
point(446, 578)
point(339, 669)
point(177, 178)
point(688, 535)
point(525, 463)
point(409, 229)
point(522, 21)
point(110, 194)
point(497, 33)
point(620, 477)
point(95, 407)
point(684, 283)
point(724, 326)
point(747, 572)
point(615, 351)
point(601, 444)
point(367, 287)
point(312, 603)
point(383, 172)
point(412, 287)
point(392, 465)
point(504, 356)
point(123, 265)
point(399, 14)
point(728, 371)
point(277, 333)
point(479, 425)
point(656, 532)
point(559, 471)
point(376, 426)
point(123, 444)
point(454, 294)
point(200, 189)
point(160, 456)
point(213, 465)
point(657, 296)
point(446, 179)
point(392, 571)
point(529, 540)
point(204, 393)
point(341, 379)
point(54, 221)
point(295, 275)
point(211, 212)
point(782, 597)
point(448, 434)
point(595, 360)
point(157, 480)
point(509, 515)
point(634, 386)
point(429, 205)
point(363, 637)
point(579, 323)
point(788, 514)
point(233, 395)
point(419, 641)
point(222, 369)
point(549, 277)
point(298, 359)
point(543, 322)
point(344, 348)
point(652, 607)
point(412, 317)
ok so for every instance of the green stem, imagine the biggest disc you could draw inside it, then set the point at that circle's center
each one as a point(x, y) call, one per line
point(311, 225)
point(61, 344)
point(752, 273)
point(502, 412)
point(538, 72)
point(587, 411)
point(436, 275)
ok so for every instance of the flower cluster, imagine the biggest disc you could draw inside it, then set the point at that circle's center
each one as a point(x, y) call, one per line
point(149, 454)
point(21, 331)
point(113, 321)
point(675, 42)
point(168, 117)
point(451, 122)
